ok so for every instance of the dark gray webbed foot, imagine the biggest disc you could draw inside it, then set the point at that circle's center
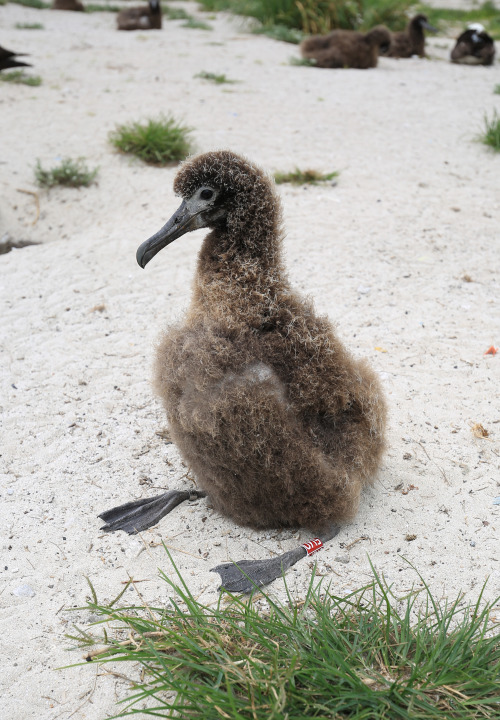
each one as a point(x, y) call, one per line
point(245, 576)
point(138, 515)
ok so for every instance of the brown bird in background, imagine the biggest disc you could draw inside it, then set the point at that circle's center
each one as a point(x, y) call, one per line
point(412, 40)
point(74, 5)
point(144, 17)
point(346, 48)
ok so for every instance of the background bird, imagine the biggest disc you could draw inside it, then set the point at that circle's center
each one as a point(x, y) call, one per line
point(410, 41)
point(74, 5)
point(474, 47)
point(144, 17)
point(346, 48)
point(8, 59)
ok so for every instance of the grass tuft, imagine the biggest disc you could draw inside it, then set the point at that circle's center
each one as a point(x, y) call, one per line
point(38, 4)
point(491, 134)
point(366, 655)
point(304, 62)
point(95, 8)
point(19, 77)
point(281, 33)
point(195, 24)
point(496, 89)
point(173, 13)
point(158, 142)
point(318, 16)
point(29, 26)
point(69, 173)
point(304, 177)
point(213, 77)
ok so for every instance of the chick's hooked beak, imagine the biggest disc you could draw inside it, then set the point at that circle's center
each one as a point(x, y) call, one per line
point(425, 24)
point(203, 209)
point(184, 220)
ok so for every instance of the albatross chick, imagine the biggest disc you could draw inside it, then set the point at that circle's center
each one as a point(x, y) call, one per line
point(144, 17)
point(346, 48)
point(74, 5)
point(412, 40)
point(281, 426)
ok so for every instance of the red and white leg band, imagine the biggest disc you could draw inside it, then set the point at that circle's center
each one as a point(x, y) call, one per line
point(312, 546)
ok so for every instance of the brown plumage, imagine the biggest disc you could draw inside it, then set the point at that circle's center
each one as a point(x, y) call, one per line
point(279, 423)
point(346, 48)
point(144, 17)
point(281, 426)
point(474, 47)
point(412, 40)
point(74, 5)
point(8, 59)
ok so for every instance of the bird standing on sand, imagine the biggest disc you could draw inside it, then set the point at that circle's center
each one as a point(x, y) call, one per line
point(280, 425)
point(144, 17)
point(474, 47)
point(8, 59)
point(412, 40)
point(346, 48)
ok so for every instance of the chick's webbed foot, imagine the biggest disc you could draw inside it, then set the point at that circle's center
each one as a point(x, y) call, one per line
point(138, 515)
point(247, 575)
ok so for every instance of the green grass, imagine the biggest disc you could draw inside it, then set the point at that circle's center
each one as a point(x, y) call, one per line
point(195, 24)
point(304, 177)
point(491, 134)
point(69, 173)
point(365, 656)
point(37, 4)
point(305, 62)
point(496, 89)
point(90, 7)
point(158, 142)
point(94, 8)
point(488, 14)
point(281, 33)
point(318, 16)
point(213, 77)
point(29, 26)
point(19, 77)
point(173, 13)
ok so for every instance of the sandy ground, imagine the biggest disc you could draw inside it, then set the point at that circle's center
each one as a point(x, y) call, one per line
point(403, 254)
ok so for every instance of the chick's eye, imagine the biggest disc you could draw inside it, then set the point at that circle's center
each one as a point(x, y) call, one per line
point(206, 194)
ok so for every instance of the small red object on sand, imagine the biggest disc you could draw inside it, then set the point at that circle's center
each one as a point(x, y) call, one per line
point(491, 350)
point(312, 546)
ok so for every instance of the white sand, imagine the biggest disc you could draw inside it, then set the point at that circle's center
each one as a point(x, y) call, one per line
point(384, 253)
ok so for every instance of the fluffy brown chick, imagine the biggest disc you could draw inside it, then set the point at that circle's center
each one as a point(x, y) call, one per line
point(346, 48)
point(143, 17)
point(279, 423)
point(74, 5)
point(410, 41)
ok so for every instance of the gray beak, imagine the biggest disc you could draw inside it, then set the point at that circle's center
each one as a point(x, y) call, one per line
point(428, 26)
point(181, 222)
